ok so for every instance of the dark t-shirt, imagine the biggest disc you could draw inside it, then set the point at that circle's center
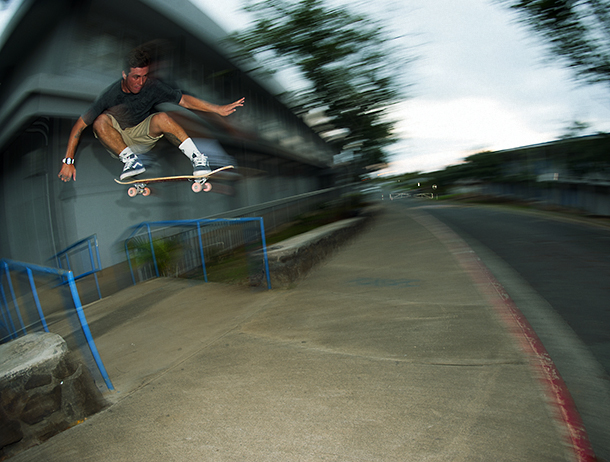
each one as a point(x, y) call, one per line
point(130, 109)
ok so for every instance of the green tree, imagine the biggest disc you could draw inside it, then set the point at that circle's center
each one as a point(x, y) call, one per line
point(577, 31)
point(342, 60)
point(576, 128)
point(485, 165)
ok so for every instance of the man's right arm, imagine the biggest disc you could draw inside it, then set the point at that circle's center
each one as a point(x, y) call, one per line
point(68, 171)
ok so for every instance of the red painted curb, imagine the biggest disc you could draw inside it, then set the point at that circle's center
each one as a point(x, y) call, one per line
point(519, 326)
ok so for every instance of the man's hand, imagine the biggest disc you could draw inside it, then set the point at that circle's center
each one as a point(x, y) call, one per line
point(230, 108)
point(67, 173)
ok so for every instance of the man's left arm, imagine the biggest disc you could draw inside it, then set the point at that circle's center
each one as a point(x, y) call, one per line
point(196, 104)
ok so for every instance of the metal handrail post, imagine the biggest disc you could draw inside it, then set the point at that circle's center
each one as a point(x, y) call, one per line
point(36, 299)
point(205, 273)
point(87, 332)
point(99, 265)
point(152, 249)
point(265, 253)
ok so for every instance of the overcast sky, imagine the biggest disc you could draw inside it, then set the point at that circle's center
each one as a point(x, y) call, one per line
point(481, 81)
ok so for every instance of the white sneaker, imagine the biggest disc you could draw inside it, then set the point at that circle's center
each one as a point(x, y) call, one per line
point(201, 167)
point(133, 167)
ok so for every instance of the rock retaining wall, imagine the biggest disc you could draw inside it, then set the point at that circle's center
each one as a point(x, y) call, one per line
point(293, 258)
point(43, 391)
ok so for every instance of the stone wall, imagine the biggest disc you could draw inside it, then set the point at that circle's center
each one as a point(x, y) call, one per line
point(291, 259)
point(43, 391)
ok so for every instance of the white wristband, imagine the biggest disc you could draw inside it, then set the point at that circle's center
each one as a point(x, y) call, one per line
point(68, 160)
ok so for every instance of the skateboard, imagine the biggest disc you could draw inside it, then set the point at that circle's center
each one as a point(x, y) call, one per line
point(140, 185)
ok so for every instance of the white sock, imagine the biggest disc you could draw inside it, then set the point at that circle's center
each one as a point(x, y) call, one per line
point(125, 154)
point(189, 149)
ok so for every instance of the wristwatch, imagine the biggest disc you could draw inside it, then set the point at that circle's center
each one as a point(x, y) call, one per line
point(68, 160)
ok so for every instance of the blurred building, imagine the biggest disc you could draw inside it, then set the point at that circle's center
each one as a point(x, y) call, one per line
point(56, 56)
point(571, 173)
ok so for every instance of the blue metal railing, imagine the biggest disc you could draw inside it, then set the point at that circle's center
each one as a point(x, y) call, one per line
point(198, 226)
point(8, 323)
point(93, 264)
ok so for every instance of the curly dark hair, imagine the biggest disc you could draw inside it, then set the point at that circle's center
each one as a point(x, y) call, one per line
point(138, 57)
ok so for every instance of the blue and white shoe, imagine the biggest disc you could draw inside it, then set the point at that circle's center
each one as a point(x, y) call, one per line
point(133, 167)
point(201, 166)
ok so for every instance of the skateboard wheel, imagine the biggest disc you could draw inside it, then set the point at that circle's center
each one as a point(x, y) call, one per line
point(207, 187)
point(146, 192)
point(197, 187)
point(132, 192)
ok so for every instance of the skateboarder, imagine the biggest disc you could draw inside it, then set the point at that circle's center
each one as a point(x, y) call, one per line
point(124, 120)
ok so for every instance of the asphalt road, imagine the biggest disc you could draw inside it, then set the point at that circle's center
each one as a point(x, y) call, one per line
point(557, 270)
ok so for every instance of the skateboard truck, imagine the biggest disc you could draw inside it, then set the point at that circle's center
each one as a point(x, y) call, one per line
point(201, 185)
point(138, 188)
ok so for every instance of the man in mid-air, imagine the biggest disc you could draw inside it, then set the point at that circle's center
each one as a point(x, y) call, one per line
point(124, 120)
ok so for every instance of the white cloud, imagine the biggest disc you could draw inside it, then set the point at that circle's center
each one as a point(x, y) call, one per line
point(470, 121)
point(438, 133)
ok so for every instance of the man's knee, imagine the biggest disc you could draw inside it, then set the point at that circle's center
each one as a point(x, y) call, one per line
point(101, 124)
point(162, 120)
point(163, 124)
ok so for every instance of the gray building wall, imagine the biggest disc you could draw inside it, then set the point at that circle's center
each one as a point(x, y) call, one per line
point(58, 55)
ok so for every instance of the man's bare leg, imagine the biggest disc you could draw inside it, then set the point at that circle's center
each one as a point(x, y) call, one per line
point(108, 136)
point(163, 124)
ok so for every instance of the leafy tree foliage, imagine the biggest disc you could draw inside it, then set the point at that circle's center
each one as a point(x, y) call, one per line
point(576, 128)
point(343, 63)
point(578, 32)
point(577, 158)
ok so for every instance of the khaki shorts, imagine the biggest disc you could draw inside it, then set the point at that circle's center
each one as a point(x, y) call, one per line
point(137, 138)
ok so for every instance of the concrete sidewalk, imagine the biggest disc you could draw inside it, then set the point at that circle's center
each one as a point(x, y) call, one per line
point(386, 352)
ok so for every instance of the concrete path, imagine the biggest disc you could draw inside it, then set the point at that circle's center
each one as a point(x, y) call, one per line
point(389, 351)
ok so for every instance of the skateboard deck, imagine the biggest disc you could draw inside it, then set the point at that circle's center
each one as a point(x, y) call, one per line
point(140, 185)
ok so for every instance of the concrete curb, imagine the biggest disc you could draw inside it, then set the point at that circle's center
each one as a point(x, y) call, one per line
point(291, 259)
